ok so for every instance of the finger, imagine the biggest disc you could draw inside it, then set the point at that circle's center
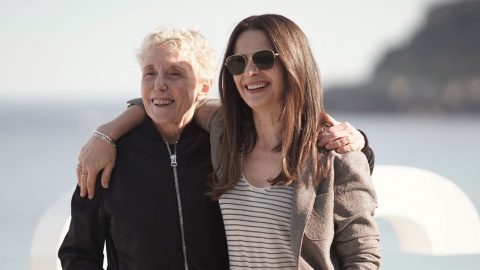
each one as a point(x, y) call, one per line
point(106, 174)
point(353, 145)
point(346, 148)
point(331, 134)
point(91, 179)
point(338, 143)
point(329, 138)
point(83, 185)
point(322, 139)
point(331, 119)
point(79, 167)
point(77, 171)
point(336, 129)
point(359, 140)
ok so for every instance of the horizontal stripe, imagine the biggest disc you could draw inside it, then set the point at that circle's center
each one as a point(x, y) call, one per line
point(257, 225)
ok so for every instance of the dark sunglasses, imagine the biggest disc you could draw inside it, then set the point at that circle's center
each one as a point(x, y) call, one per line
point(263, 60)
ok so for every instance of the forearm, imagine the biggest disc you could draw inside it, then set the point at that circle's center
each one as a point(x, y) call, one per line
point(205, 112)
point(365, 257)
point(124, 123)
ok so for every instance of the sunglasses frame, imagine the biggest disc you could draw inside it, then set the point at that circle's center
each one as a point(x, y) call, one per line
point(247, 60)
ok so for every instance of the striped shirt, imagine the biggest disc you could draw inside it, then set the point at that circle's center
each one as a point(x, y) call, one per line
point(257, 225)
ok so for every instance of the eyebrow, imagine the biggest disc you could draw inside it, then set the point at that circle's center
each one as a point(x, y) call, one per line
point(252, 52)
point(147, 67)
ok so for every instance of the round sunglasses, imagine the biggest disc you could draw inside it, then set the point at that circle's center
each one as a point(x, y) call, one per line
point(263, 59)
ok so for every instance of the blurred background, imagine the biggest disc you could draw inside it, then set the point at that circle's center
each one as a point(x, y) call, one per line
point(407, 72)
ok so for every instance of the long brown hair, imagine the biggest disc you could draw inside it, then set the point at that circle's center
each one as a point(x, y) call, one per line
point(303, 115)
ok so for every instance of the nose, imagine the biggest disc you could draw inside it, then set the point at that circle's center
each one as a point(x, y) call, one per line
point(160, 84)
point(250, 68)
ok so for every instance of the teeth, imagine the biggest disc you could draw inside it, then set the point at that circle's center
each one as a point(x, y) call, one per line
point(162, 101)
point(256, 86)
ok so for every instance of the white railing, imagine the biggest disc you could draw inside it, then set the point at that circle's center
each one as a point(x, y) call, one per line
point(429, 213)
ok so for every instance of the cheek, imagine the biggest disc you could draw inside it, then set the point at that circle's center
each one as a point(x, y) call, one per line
point(238, 82)
point(187, 97)
point(279, 80)
point(143, 91)
point(145, 85)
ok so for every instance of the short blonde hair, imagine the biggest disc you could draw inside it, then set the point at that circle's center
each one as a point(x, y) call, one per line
point(180, 39)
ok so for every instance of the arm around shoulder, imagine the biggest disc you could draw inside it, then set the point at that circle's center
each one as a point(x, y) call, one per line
point(97, 155)
point(126, 121)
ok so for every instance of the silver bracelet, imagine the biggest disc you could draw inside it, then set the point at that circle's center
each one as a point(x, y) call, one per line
point(104, 137)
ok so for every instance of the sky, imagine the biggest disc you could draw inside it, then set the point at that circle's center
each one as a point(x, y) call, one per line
point(72, 50)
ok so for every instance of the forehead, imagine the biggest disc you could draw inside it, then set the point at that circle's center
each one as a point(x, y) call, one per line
point(251, 41)
point(164, 55)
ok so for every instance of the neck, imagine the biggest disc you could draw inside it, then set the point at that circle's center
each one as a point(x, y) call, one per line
point(171, 139)
point(170, 133)
point(268, 128)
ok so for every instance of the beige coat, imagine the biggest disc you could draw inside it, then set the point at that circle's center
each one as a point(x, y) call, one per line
point(332, 224)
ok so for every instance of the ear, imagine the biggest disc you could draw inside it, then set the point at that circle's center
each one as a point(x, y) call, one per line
point(207, 85)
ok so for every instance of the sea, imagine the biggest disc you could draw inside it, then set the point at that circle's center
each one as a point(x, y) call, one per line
point(40, 143)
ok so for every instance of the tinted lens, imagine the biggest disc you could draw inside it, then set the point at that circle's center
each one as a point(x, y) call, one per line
point(263, 59)
point(235, 64)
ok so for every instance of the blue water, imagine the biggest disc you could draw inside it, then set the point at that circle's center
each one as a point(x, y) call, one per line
point(39, 145)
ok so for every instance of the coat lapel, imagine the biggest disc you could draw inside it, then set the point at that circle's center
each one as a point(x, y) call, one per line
point(303, 198)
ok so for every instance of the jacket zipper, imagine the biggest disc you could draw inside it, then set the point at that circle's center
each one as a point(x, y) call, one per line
point(173, 163)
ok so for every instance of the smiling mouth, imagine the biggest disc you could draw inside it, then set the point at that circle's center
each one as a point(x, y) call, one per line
point(162, 102)
point(257, 86)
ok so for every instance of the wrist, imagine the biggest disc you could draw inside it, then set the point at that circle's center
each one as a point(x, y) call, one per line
point(107, 131)
point(105, 138)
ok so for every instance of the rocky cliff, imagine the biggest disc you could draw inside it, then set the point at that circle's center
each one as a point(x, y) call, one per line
point(437, 71)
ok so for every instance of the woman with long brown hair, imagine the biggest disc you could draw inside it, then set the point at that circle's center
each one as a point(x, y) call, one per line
point(285, 203)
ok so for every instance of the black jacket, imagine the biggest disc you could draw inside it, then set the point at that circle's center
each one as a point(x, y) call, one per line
point(138, 215)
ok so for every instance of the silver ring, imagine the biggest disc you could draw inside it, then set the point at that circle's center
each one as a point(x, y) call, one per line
point(81, 173)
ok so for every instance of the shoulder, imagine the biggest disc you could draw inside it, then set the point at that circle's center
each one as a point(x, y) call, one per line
point(349, 159)
point(337, 161)
point(211, 103)
point(145, 129)
point(209, 108)
point(216, 122)
point(348, 167)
